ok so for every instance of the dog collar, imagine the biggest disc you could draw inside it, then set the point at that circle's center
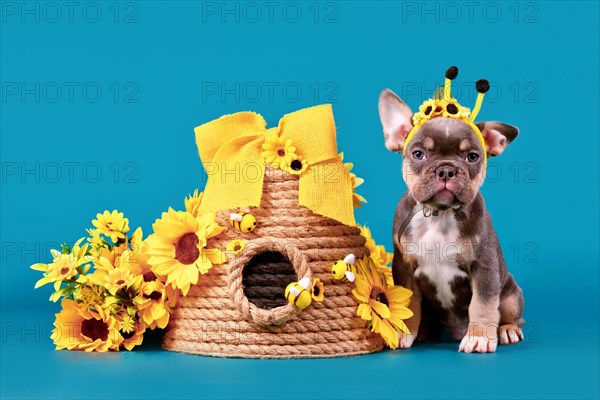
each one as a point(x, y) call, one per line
point(444, 105)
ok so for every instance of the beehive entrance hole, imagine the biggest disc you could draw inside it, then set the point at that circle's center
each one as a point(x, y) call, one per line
point(265, 278)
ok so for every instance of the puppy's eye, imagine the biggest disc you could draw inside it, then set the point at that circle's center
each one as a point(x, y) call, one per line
point(472, 157)
point(418, 154)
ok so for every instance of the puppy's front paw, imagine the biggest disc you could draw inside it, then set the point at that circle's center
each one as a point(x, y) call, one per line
point(510, 334)
point(478, 344)
point(479, 341)
point(407, 339)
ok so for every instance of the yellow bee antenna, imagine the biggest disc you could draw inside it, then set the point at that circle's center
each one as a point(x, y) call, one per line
point(482, 87)
point(451, 74)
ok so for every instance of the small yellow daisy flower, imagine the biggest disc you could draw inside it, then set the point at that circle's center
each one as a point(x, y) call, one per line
point(132, 331)
point(64, 266)
point(278, 150)
point(296, 166)
point(112, 224)
point(317, 290)
point(236, 246)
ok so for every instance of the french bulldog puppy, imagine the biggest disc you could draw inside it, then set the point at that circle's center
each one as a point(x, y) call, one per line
point(445, 247)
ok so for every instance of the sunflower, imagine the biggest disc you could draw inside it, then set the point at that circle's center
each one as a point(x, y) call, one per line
point(192, 202)
point(296, 166)
point(278, 150)
point(317, 290)
point(112, 224)
point(79, 328)
point(177, 248)
point(425, 112)
point(357, 199)
point(236, 246)
point(454, 110)
point(64, 266)
point(152, 304)
point(384, 305)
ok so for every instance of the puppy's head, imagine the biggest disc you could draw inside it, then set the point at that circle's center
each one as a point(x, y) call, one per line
point(443, 164)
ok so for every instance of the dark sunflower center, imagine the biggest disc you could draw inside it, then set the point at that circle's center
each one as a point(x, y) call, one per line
point(95, 329)
point(452, 109)
point(296, 165)
point(237, 247)
point(149, 276)
point(428, 110)
point(281, 152)
point(154, 295)
point(316, 290)
point(186, 248)
point(64, 270)
point(128, 335)
point(438, 109)
point(120, 282)
point(378, 294)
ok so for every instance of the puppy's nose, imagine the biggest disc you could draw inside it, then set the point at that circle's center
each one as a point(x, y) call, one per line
point(445, 172)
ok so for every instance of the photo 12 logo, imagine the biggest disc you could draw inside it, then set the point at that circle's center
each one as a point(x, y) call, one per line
point(69, 92)
point(51, 172)
point(470, 11)
point(253, 12)
point(270, 92)
point(52, 12)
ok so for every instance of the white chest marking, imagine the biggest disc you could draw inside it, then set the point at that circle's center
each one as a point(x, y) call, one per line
point(434, 243)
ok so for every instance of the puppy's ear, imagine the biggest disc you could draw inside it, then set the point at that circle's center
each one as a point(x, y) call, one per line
point(497, 136)
point(396, 118)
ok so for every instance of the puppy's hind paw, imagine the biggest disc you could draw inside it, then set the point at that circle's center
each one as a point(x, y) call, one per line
point(478, 344)
point(510, 334)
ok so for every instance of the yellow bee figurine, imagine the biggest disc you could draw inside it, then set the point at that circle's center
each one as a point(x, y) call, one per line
point(298, 293)
point(243, 221)
point(344, 270)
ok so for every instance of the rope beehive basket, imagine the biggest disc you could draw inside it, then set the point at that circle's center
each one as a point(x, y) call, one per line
point(239, 310)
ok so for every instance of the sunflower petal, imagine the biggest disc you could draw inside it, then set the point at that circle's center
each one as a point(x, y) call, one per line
point(380, 308)
point(364, 311)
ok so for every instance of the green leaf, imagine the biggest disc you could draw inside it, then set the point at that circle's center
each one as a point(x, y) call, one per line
point(65, 249)
point(439, 93)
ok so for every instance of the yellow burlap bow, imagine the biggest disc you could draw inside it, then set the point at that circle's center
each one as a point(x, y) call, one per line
point(230, 149)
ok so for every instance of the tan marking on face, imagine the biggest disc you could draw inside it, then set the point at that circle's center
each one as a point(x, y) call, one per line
point(410, 177)
point(428, 143)
point(465, 144)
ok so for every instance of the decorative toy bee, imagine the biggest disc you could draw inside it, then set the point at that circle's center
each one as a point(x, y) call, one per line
point(344, 270)
point(298, 293)
point(242, 221)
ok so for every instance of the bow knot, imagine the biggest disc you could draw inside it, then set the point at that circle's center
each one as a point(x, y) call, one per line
point(230, 148)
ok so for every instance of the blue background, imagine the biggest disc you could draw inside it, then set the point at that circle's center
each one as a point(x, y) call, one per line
point(163, 69)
